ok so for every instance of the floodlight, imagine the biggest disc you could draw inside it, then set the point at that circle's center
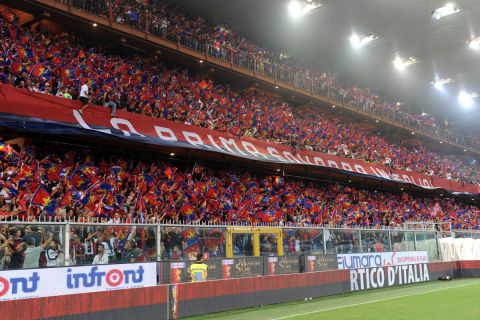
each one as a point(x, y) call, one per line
point(474, 43)
point(439, 83)
point(359, 41)
point(401, 64)
point(466, 99)
point(444, 11)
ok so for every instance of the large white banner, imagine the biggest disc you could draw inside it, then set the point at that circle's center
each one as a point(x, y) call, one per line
point(380, 259)
point(382, 277)
point(36, 283)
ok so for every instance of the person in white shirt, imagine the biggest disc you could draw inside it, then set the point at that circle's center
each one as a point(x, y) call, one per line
point(52, 254)
point(101, 257)
point(83, 96)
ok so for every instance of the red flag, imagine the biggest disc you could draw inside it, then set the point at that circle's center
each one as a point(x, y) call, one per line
point(53, 173)
point(38, 70)
point(169, 173)
point(26, 171)
point(79, 182)
point(67, 198)
point(22, 52)
point(41, 197)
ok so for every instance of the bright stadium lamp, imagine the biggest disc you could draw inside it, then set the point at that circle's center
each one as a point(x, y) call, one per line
point(444, 11)
point(298, 8)
point(401, 64)
point(295, 9)
point(439, 83)
point(466, 99)
point(359, 41)
point(474, 43)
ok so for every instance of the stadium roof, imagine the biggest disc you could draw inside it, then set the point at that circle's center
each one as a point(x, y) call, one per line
point(404, 28)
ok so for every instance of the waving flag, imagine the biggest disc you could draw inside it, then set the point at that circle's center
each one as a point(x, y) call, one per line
point(187, 211)
point(68, 198)
point(214, 238)
point(89, 171)
point(105, 187)
point(26, 171)
point(50, 208)
point(68, 73)
point(38, 70)
point(53, 173)
point(192, 240)
point(22, 53)
point(42, 197)
point(150, 199)
point(13, 192)
point(169, 173)
point(17, 67)
point(79, 182)
point(212, 193)
point(7, 152)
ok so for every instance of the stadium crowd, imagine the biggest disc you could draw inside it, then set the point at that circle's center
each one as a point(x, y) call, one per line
point(58, 183)
point(57, 64)
point(221, 41)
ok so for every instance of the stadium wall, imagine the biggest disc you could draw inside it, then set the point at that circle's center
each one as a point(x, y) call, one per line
point(187, 299)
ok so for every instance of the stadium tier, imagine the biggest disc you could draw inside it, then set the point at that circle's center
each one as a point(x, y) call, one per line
point(56, 64)
point(59, 182)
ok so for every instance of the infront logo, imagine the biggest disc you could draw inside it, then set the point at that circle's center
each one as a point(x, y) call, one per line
point(19, 285)
point(95, 278)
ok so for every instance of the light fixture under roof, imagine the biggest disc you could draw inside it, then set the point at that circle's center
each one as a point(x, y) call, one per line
point(401, 64)
point(444, 11)
point(359, 41)
point(466, 99)
point(438, 84)
point(474, 43)
point(298, 8)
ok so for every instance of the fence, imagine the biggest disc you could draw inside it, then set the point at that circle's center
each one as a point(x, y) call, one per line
point(76, 243)
point(138, 17)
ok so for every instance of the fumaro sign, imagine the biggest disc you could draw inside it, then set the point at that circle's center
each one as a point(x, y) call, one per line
point(47, 114)
point(373, 278)
point(380, 259)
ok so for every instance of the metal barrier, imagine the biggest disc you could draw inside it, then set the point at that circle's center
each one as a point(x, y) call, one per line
point(75, 243)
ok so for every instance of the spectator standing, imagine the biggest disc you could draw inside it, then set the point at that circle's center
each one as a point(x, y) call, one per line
point(198, 270)
point(84, 95)
point(32, 253)
point(131, 253)
point(108, 101)
point(101, 257)
point(53, 254)
point(77, 251)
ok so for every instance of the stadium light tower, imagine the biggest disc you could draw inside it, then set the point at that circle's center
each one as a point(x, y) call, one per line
point(298, 8)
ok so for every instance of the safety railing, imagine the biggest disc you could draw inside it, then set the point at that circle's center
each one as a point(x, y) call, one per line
point(77, 243)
